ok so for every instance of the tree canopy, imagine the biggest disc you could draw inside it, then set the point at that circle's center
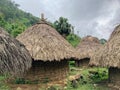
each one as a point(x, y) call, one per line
point(103, 41)
point(63, 26)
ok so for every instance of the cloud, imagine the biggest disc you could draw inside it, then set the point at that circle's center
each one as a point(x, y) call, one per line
point(90, 17)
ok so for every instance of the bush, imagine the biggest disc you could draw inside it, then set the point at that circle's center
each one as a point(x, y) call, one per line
point(98, 76)
point(46, 80)
point(20, 81)
point(71, 63)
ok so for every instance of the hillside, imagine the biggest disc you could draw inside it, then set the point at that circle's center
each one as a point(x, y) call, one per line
point(73, 39)
point(13, 19)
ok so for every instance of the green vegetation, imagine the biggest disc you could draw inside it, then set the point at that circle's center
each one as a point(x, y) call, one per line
point(20, 81)
point(87, 83)
point(103, 41)
point(13, 19)
point(73, 39)
point(3, 86)
point(62, 26)
point(55, 87)
point(46, 80)
point(23, 81)
point(89, 80)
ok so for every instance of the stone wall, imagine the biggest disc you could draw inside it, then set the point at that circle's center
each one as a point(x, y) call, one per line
point(114, 75)
point(48, 71)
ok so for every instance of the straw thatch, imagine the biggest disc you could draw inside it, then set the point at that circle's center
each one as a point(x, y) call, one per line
point(45, 43)
point(87, 46)
point(109, 54)
point(14, 58)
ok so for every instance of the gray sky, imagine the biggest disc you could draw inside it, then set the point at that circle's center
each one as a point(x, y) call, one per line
point(90, 17)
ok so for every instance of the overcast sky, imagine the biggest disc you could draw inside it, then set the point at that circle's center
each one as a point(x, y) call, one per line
point(90, 17)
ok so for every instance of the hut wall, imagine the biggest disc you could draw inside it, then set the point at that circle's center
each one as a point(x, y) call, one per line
point(114, 75)
point(82, 63)
point(48, 71)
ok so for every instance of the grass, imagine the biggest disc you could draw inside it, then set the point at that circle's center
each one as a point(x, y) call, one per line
point(90, 80)
point(3, 86)
point(88, 87)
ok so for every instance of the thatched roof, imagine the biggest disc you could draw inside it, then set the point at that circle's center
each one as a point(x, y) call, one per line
point(14, 58)
point(45, 43)
point(109, 54)
point(87, 46)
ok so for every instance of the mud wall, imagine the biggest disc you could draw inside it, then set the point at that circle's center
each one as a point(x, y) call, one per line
point(48, 71)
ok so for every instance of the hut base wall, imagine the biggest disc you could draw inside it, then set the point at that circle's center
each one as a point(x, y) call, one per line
point(48, 71)
point(114, 75)
point(82, 62)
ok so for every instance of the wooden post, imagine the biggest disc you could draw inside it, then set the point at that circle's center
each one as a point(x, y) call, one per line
point(42, 16)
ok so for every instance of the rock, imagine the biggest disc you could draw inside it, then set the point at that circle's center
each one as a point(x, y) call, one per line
point(65, 88)
point(74, 84)
point(110, 85)
point(18, 88)
point(95, 85)
point(75, 77)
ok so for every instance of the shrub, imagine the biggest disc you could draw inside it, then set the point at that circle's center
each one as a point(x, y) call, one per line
point(98, 76)
point(71, 63)
point(46, 80)
point(19, 81)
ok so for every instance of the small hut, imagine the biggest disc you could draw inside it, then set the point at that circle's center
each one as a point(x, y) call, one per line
point(109, 56)
point(85, 49)
point(14, 58)
point(49, 50)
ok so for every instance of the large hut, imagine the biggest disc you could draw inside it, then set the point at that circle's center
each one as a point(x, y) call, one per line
point(14, 58)
point(109, 56)
point(49, 50)
point(85, 49)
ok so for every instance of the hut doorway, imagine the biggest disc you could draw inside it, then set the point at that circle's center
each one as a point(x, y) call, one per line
point(114, 75)
point(82, 62)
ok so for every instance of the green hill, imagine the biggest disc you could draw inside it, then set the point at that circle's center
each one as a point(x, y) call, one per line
point(73, 39)
point(13, 19)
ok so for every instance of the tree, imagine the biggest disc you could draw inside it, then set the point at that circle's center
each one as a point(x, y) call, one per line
point(103, 41)
point(62, 26)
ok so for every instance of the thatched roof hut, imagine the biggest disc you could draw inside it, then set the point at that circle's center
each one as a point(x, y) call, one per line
point(109, 55)
point(85, 49)
point(45, 43)
point(14, 58)
point(48, 49)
